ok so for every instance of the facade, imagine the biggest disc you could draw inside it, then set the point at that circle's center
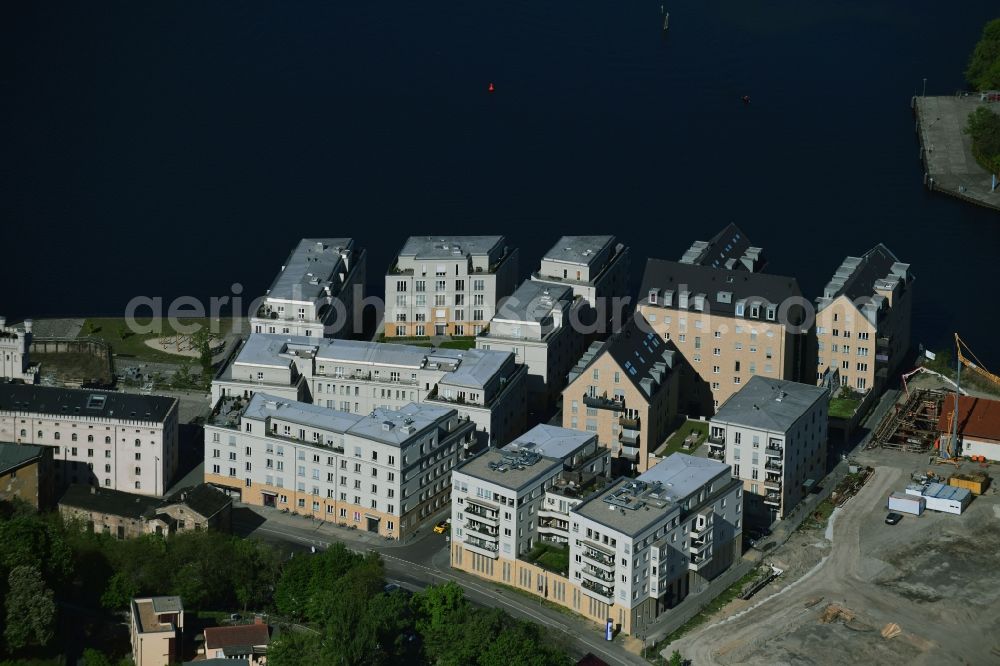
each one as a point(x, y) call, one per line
point(595, 267)
point(447, 285)
point(534, 325)
point(636, 547)
point(625, 390)
point(157, 630)
point(978, 426)
point(773, 434)
point(506, 501)
point(863, 320)
point(26, 474)
point(15, 347)
point(730, 324)
point(315, 291)
point(121, 441)
point(387, 472)
point(246, 641)
point(127, 515)
point(485, 386)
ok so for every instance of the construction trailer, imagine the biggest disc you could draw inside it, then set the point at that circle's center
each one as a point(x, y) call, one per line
point(903, 503)
point(939, 497)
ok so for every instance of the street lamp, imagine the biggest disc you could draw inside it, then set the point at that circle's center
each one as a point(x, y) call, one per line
point(925, 87)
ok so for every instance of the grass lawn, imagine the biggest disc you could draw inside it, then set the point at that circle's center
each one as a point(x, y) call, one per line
point(126, 343)
point(550, 557)
point(459, 343)
point(675, 441)
point(843, 408)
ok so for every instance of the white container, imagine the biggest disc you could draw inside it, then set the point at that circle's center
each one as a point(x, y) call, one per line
point(903, 503)
point(947, 499)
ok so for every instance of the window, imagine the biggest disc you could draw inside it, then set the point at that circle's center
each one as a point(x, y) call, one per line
point(401, 285)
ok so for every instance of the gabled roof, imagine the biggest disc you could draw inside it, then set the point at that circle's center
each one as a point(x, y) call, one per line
point(727, 249)
point(643, 357)
point(106, 500)
point(977, 417)
point(16, 456)
point(203, 499)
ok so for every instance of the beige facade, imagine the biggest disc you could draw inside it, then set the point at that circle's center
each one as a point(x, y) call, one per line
point(447, 285)
point(157, 630)
point(626, 391)
point(26, 474)
point(863, 320)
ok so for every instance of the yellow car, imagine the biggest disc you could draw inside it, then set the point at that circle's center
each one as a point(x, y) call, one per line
point(441, 527)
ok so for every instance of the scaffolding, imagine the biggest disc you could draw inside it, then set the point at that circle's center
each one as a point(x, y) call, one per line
point(911, 426)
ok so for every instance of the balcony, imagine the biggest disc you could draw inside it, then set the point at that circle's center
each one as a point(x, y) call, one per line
point(718, 441)
point(603, 402)
point(481, 546)
point(698, 561)
point(773, 465)
point(600, 592)
point(553, 525)
point(483, 531)
point(699, 545)
point(630, 423)
point(717, 454)
point(602, 559)
point(482, 513)
point(597, 575)
point(772, 484)
point(772, 499)
point(774, 451)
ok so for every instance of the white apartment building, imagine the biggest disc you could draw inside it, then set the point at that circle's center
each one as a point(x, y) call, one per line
point(384, 472)
point(773, 434)
point(505, 501)
point(595, 267)
point(533, 324)
point(447, 285)
point(640, 546)
point(315, 291)
point(15, 347)
point(122, 441)
point(485, 386)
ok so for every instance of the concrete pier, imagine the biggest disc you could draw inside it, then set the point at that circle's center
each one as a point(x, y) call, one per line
point(946, 150)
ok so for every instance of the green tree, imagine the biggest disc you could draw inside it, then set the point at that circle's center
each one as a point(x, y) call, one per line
point(92, 657)
point(984, 128)
point(120, 591)
point(675, 659)
point(31, 612)
point(983, 71)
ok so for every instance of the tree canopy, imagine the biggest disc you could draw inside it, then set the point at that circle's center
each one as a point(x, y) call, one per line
point(983, 71)
point(984, 128)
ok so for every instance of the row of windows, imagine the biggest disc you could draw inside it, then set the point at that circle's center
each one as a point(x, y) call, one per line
point(439, 285)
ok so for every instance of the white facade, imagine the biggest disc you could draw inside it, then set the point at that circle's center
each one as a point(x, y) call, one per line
point(447, 285)
point(773, 433)
point(487, 387)
point(595, 267)
point(533, 324)
point(385, 472)
point(643, 544)
point(506, 501)
point(15, 345)
point(315, 291)
point(115, 440)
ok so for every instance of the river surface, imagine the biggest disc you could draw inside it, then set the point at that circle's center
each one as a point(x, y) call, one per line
point(175, 148)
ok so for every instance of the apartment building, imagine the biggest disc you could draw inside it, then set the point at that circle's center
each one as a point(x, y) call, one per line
point(157, 630)
point(385, 472)
point(26, 474)
point(730, 324)
point(506, 501)
point(315, 291)
point(15, 357)
point(773, 434)
point(447, 285)
point(863, 320)
point(730, 249)
point(595, 267)
point(534, 325)
point(626, 391)
point(486, 386)
point(122, 441)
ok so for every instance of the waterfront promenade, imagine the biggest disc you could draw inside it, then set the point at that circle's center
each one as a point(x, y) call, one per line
point(946, 149)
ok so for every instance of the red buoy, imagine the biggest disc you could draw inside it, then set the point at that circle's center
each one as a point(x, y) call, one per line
point(491, 87)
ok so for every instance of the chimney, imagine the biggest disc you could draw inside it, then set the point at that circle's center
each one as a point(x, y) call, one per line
point(93, 490)
point(27, 325)
point(258, 619)
point(3, 321)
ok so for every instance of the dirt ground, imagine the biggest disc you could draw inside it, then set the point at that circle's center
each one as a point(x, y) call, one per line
point(72, 368)
point(937, 576)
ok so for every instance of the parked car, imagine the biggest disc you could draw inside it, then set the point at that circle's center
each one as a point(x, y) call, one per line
point(893, 518)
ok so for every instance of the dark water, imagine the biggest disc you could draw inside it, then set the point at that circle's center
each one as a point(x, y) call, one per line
point(173, 148)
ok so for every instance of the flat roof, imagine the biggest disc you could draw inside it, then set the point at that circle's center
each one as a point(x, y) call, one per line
point(769, 404)
point(274, 350)
point(311, 266)
point(653, 495)
point(84, 402)
point(149, 610)
point(552, 441)
point(495, 466)
point(448, 247)
point(477, 368)
point(578, 250)
point(532, 301)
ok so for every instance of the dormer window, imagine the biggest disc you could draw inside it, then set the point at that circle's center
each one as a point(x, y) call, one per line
point(653, 293)
point(740, 309)
point(755, 311)
point(770, 313)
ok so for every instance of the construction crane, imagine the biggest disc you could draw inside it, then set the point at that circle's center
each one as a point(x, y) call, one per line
point(976, 366)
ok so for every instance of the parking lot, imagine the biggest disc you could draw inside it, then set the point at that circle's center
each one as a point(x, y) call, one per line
point(935, 576)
